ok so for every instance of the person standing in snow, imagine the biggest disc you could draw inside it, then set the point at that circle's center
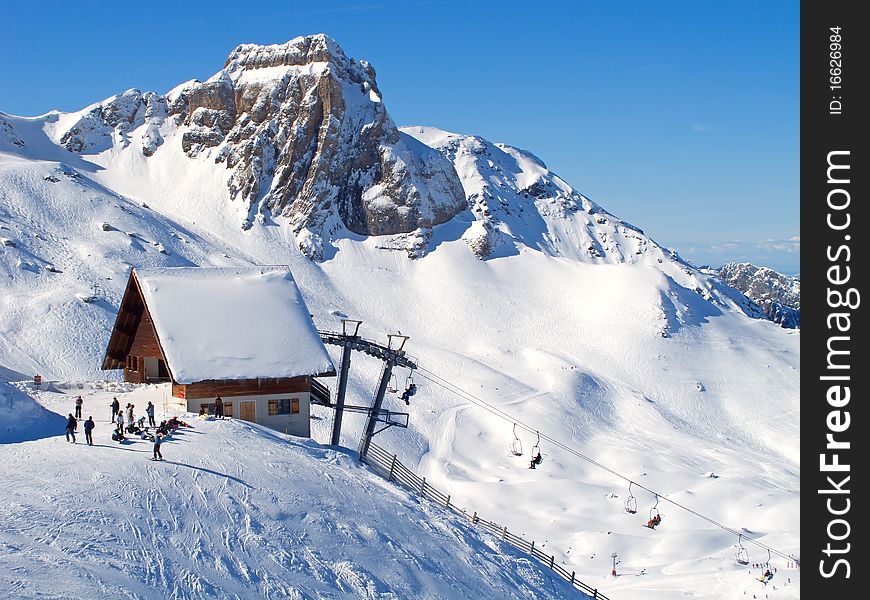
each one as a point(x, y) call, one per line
point(71, 426)
point(116, 408)
point(119, 420)
point(89, 427)
point(149, 410)
point(158, 439)
point(130, 414)
point(219, 408)
point(79, 403)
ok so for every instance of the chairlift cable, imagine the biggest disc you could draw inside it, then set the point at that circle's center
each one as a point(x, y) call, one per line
point(455, 389)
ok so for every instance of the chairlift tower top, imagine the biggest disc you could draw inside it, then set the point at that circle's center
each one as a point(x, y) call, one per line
point(392, 355)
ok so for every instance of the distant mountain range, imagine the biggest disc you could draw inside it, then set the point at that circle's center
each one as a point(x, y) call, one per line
point(778, 295)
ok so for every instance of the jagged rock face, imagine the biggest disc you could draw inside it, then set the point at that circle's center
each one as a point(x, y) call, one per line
point(304, 134)
point(778, 295)
point(761, 283)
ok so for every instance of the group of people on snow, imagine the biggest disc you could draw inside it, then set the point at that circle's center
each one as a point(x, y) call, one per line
point(118, 418)
point(125, 422)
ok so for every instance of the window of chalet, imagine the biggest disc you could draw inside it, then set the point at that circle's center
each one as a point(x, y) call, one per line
point(133, 362)
point(284, 406)
point(211, 409)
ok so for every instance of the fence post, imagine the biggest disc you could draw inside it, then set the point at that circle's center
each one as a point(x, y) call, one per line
point(532, 549)
point(448, 501)
point(552, 560)
point(423, 487)
point(392, 466)
point(572, 577)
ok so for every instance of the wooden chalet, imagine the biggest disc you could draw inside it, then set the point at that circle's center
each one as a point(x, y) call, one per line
point(243, 334)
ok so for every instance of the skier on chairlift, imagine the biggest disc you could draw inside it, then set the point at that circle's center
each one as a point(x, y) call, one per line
point(410, 390)
point(536, 459)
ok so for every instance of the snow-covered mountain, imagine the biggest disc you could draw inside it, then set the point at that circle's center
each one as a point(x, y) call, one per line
point(299, 130)
point(516, 201)
point(511, 284)
point(778, 295)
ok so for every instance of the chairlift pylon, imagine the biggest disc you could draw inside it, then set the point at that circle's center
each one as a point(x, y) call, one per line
point(631, 501)
point(517, 444)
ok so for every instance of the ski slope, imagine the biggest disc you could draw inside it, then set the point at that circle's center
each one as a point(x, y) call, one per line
point(234, 511)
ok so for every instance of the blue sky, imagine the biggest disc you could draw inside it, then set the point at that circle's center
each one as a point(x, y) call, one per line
point(679, 117)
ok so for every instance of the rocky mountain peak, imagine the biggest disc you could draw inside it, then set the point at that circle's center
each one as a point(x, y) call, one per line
point(305, 50)
point(303, 133)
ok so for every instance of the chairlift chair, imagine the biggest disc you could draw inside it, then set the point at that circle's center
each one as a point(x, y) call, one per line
point(516, 445)
point(392, 386)
point(742, 553)
point(537, 457)
point(765, 570)
point(410, 389)
point(631, 501)
point(654, 516)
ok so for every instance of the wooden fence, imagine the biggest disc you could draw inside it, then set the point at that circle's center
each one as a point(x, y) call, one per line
point(386, 464)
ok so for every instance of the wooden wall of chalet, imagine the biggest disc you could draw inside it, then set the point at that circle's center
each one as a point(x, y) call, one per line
point(131, 376)
point(145, 341)
point(241, 387)
point(144, 345)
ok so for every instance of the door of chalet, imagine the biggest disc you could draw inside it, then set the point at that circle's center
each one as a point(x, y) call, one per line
point(248, 411)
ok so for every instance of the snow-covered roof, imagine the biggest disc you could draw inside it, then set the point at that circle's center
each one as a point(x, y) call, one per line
point(232, 323)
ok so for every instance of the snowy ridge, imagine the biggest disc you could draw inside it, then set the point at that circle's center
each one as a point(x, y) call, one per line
point(515, 200)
